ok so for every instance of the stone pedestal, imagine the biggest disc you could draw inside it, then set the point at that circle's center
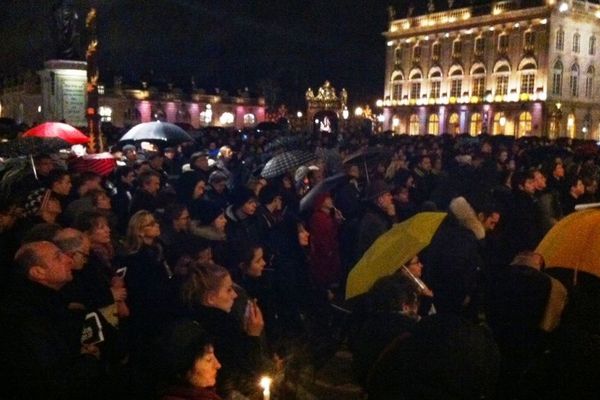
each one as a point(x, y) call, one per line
point(63, 91)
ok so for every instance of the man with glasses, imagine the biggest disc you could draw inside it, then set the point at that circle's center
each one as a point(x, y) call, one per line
point(40, 339)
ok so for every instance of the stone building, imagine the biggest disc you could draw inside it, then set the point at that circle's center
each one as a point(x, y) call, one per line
point(514, 67)
point(125, 106)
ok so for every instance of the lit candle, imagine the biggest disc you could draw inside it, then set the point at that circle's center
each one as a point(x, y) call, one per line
point(265, 383)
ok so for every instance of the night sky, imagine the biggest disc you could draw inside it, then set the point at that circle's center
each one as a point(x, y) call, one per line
point(283, 45)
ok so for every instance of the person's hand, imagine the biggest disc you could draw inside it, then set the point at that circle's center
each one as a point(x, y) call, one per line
point(253, 323)
point(119, 294)
point(391, 210)
point(91, 350)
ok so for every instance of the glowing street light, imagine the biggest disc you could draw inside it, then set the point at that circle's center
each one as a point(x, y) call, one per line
point(299, 114)
point(358, 111)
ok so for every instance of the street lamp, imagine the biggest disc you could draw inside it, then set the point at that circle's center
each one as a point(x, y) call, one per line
point(358, 111)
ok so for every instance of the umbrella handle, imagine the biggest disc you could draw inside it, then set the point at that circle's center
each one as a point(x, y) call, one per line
point(33, 166)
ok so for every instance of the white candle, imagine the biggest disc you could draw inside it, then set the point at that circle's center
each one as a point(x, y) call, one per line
point(265, 383)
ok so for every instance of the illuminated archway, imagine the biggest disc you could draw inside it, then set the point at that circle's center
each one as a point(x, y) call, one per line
point(571, 125)
point(524, 127)
point(433, 125)
point(413, 125)
point(476, 124)
point(499, 123)
point(454, 124)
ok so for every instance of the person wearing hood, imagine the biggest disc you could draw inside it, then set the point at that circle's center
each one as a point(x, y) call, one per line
point(453, 259)
point(241, 216)
point(209, 224)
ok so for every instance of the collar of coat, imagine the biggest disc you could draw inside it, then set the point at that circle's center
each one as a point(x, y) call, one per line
point(466, 216)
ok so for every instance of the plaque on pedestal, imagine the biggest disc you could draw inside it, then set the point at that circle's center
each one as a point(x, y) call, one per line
point(63, 91)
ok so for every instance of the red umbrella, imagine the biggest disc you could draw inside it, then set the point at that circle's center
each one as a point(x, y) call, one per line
point(58, 129)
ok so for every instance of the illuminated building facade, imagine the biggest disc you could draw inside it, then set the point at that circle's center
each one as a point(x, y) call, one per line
point(129, 106)
point(504, 67)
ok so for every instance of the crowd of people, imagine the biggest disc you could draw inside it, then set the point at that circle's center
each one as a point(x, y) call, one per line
point(185, 274)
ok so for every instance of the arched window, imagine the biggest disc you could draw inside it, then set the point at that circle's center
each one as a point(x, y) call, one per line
point(435, 77)
point(454, 124)
point(557, 73)
point(571, 126)
point(456, 78)
point(397, 82)
point(499, 123)
point(528, 70)
point(589, 82)
point(478, 80)
point(502, 72)
point(226, 118)
point(476, 124)
point(524, 124)
point(413, 125)
point(592, 46)
point(415, 84)
point(576, 40)
point(433, 125)
point(560, 39)
point(398, 56)
point(396, 127)
point(574, 81)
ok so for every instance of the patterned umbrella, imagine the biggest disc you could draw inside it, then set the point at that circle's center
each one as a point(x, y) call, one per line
point(32, 146)
point(282, 163)
point(58, 130)
point(157, 131)
point(102, 164)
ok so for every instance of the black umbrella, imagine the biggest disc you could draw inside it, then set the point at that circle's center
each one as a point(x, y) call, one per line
point(157, 131)
point(326, 185)
point(282, 163)
point(32, 146)
point(367, 157)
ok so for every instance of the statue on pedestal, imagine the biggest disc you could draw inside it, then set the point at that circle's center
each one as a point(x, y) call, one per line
point(66, 32)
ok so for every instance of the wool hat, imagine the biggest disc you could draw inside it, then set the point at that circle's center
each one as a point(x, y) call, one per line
point(205, 211)
point(242, 195)
point(217, 177)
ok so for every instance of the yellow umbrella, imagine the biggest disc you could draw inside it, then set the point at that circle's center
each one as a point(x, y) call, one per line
point(574, 243)
point(391, 250)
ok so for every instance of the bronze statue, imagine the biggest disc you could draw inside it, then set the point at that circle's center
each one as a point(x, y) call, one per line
point(65, 26)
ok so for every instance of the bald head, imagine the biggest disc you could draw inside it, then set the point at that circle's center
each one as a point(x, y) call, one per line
point(44, 263)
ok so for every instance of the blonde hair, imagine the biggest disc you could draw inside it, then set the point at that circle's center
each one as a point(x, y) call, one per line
point(133, 240)
point(203, 279)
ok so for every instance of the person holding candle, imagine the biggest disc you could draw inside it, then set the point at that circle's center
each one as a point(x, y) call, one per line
point(209, 295)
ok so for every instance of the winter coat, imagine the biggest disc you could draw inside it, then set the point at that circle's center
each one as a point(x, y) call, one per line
point(374, 223)
point(452, 260)
point(40, 347)
point(325, 266)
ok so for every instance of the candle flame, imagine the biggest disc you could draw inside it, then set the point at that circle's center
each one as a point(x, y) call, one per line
point(265, 382)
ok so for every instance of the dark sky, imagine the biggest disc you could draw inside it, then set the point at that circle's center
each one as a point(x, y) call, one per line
point(228, 44)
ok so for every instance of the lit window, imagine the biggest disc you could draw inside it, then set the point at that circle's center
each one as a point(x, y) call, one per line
point(476, 124)
point(524, 123)
point(413, 126)
point(499, 123)
point(249, 119)
point(397, 87)
point(105, 113)
point(226, 118)
point(454, 124)
point(433, 125)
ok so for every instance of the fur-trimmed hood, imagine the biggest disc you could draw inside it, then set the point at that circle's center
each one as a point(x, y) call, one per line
point(466, 216)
